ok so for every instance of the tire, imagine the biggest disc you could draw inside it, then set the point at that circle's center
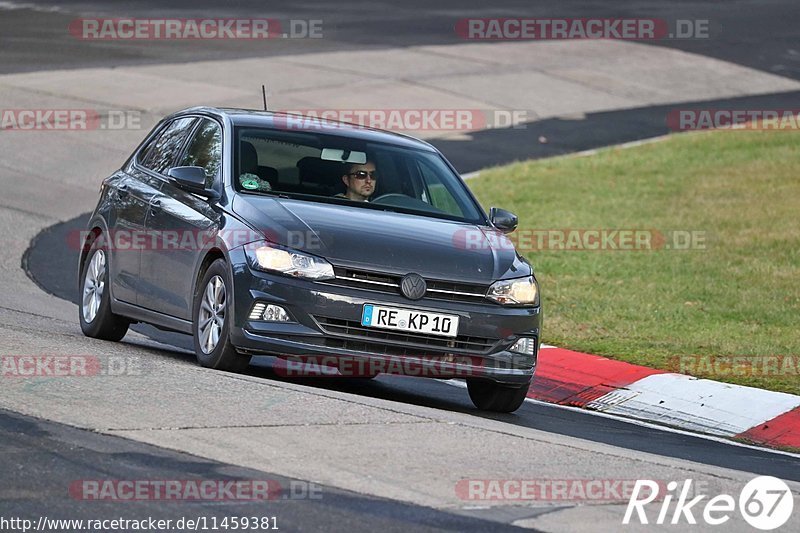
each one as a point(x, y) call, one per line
point(94, 306)
point(490, 396)
point(211, 320)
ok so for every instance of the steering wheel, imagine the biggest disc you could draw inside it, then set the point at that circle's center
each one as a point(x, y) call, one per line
point(391, 196)
point(395, 199)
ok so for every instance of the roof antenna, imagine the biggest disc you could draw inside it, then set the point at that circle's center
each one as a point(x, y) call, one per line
point(264, 95)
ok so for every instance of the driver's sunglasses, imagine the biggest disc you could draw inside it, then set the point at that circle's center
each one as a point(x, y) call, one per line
point(362, 174)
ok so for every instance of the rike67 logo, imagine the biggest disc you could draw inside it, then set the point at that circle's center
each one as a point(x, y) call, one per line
point(766, 503)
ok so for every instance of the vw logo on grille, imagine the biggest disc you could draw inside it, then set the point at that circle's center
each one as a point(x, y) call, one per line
point(413, 286)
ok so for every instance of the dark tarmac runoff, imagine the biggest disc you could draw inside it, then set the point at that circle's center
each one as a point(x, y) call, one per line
point(45, 465)
point(754, 33)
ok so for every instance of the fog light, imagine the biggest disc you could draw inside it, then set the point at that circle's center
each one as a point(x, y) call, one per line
point(270, 313)
point(525, 345)
point(276, 313)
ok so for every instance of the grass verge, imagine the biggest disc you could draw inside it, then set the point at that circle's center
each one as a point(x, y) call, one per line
point(716, 293)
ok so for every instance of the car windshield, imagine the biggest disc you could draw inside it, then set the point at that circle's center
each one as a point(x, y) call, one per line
point(337, 169)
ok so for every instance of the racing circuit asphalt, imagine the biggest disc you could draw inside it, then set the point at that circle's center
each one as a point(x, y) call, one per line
point(759, 35)
point(40, 455)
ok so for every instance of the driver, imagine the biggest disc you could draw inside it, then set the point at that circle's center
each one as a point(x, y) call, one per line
point(360, 182)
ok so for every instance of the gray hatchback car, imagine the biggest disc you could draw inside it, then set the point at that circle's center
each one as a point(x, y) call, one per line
point(325, 244)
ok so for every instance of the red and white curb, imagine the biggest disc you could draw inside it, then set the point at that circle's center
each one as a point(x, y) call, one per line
point(577, 379)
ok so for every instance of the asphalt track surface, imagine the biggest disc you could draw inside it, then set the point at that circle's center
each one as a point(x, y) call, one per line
point(40, 455)
point(761, 34)
point(758, 34)
point(45, 455)
point(56, 272)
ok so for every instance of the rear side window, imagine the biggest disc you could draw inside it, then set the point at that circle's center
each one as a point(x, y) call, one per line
point(164, 149)
point(205, 150)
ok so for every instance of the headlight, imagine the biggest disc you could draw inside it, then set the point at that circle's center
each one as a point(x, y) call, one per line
point(520, 291)
point(289, 262)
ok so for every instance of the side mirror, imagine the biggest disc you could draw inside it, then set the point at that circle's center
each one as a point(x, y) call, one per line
point(503, 220)
point(192, 179)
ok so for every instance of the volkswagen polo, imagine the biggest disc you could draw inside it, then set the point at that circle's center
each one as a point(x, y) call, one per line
point(264, 233)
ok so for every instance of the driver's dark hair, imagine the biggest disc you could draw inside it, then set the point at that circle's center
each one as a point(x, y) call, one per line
point(349, 166)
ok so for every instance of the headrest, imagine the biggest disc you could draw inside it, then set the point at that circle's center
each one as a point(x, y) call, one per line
point(248, 158)
point(320, 171)
point(268, 173)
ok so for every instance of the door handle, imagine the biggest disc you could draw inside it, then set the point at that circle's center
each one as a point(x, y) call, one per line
point(122, 190)
point(155, 207)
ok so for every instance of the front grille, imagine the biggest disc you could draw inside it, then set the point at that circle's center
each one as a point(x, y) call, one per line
point(390, 284)
point(381, 341)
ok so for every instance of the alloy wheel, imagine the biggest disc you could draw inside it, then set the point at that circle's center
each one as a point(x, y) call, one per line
point(211, 318)
point(93, 286)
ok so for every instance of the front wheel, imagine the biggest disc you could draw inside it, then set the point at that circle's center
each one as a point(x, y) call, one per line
point(212, 318)
point(94, 308)
point(490, 396)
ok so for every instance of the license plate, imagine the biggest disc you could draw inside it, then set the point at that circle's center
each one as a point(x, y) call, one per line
point(378, 316)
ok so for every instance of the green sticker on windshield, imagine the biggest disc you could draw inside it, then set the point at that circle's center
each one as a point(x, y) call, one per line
point(249, 183)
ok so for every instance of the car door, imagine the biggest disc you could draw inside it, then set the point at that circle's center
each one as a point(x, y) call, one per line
point(132, 192)
point(143, 183)
point(129, 203)
point(180, 222)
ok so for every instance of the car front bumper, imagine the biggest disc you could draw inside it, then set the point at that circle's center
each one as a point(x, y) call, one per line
point(326, 327)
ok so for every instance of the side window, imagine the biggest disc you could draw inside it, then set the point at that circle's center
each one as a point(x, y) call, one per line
point(141, 157)
point(165, 148)
point(205, 150)
point(440, 196)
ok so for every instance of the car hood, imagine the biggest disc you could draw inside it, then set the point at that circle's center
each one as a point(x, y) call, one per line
point(384, 241)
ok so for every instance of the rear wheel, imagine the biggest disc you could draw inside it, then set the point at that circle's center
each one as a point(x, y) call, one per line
point(490, 396)
point(94, 308)
point(212, 318)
